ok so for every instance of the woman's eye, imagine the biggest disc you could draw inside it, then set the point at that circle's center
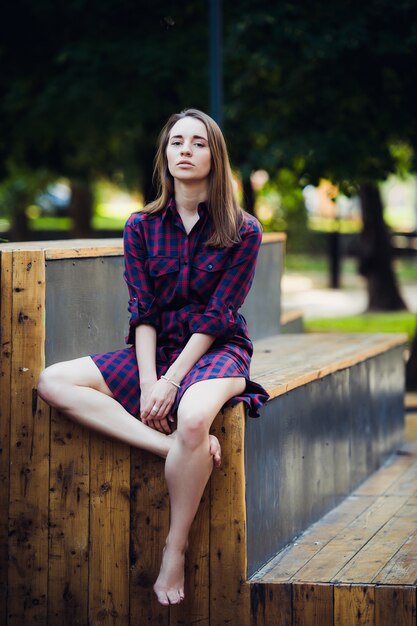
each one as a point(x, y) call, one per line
point(200, 145)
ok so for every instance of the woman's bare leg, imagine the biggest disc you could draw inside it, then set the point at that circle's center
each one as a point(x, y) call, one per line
point(77, 388)
point(187, 470)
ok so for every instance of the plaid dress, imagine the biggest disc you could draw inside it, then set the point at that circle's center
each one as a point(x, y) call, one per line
point(181, 286)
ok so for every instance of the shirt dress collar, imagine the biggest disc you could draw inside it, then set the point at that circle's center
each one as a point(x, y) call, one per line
point(172, 209)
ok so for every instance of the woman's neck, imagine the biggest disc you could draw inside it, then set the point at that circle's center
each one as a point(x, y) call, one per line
point(188, 197)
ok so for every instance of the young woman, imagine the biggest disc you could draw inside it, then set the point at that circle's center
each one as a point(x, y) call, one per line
point(189, 262)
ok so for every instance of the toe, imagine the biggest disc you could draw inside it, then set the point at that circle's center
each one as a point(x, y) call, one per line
point(162, 597)
point(174, 597)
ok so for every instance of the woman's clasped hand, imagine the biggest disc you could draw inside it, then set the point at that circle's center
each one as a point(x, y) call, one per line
point(157, 399)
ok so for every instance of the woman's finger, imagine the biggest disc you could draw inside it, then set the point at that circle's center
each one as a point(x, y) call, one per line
point(157, 411)
point(165, 426)
point(151, 410)
point(166, 409)
point(151, 423)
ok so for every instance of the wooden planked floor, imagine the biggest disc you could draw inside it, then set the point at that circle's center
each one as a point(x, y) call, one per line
point(357, 566)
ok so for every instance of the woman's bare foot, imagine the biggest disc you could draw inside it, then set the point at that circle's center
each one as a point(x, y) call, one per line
point(169, 586)
point(215, 449)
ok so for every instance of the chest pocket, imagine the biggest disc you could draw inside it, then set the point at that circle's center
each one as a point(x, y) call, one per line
point(211, 262)
point(162, 265)
point(206, 270)
point(164, 271)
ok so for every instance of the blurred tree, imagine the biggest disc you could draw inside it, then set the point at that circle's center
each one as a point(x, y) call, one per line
point(86, 86)
point(327, 90)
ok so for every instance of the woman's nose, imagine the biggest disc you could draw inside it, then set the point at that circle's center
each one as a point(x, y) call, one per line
point(186, 149)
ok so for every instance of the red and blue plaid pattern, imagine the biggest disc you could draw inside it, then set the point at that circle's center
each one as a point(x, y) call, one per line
point(181, 286)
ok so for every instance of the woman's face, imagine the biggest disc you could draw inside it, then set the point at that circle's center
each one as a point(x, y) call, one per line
point(188, 152)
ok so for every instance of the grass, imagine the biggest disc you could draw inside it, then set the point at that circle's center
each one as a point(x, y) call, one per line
point(51, 223)
point(391, 322)
point(99, 222)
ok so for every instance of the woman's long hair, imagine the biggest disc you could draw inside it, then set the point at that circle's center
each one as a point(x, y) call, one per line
point(226, 215)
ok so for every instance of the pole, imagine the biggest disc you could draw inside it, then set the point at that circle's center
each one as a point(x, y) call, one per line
point(216, 65)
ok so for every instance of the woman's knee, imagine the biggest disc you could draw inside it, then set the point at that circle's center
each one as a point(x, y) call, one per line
point(193, 426)
point(81, 372)
point(50, 380)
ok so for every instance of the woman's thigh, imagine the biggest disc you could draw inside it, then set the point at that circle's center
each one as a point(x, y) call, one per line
point(83, 372)
point(207, 397)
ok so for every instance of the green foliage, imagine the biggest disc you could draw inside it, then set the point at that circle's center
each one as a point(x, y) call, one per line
point(18, 190)
point(284, 198)
point(403, 155)
point(402, 322)
point(102, 79)
point(327, 86)
point(324, 90)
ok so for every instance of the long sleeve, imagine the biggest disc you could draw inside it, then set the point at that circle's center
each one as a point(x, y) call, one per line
point(220, 316)
point(142, 307)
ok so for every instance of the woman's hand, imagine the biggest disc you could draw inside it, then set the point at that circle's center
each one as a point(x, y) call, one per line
point(155, 404)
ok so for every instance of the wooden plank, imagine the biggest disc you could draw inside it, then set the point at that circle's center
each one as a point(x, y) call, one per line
point(406, 483)
point(271, 605)
point(328, 562)
point(354, 605)
point(149, 528)
point(29, 447)
point(291, 315)
point(410, 429)
point(365, 566)
point(395, 605)
point(82, 253)
point(6, 269)
point(195, 608)
point(288, 562)
point(411, 400)
point(69, 523)
point(69, 248)
point(109, 532)
point(381, 481)
point(229, 597)
point(401, 569)
point(312, 605)
point(272, 237)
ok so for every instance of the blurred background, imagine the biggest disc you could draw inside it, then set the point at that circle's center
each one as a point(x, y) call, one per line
point(317, 102)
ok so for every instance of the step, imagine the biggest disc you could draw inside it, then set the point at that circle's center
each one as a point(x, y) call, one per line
point(357, 565)
point(292, 321)
point(334, 416)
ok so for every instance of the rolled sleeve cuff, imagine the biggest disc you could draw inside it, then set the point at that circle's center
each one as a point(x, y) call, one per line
point(219, 319)
point(143, 311)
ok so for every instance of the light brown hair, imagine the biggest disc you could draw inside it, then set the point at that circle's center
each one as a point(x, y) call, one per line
point(226, 215)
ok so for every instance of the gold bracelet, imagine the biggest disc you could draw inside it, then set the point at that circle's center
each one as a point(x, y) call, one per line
point(171, 381)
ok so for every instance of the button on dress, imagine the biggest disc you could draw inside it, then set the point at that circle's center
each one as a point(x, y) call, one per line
point(181, 286)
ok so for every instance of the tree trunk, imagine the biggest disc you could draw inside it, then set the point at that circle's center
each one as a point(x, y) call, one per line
point(20, 224)
point(375, 254)
point(248, 195)
point(411, 371)
point(81, 209)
